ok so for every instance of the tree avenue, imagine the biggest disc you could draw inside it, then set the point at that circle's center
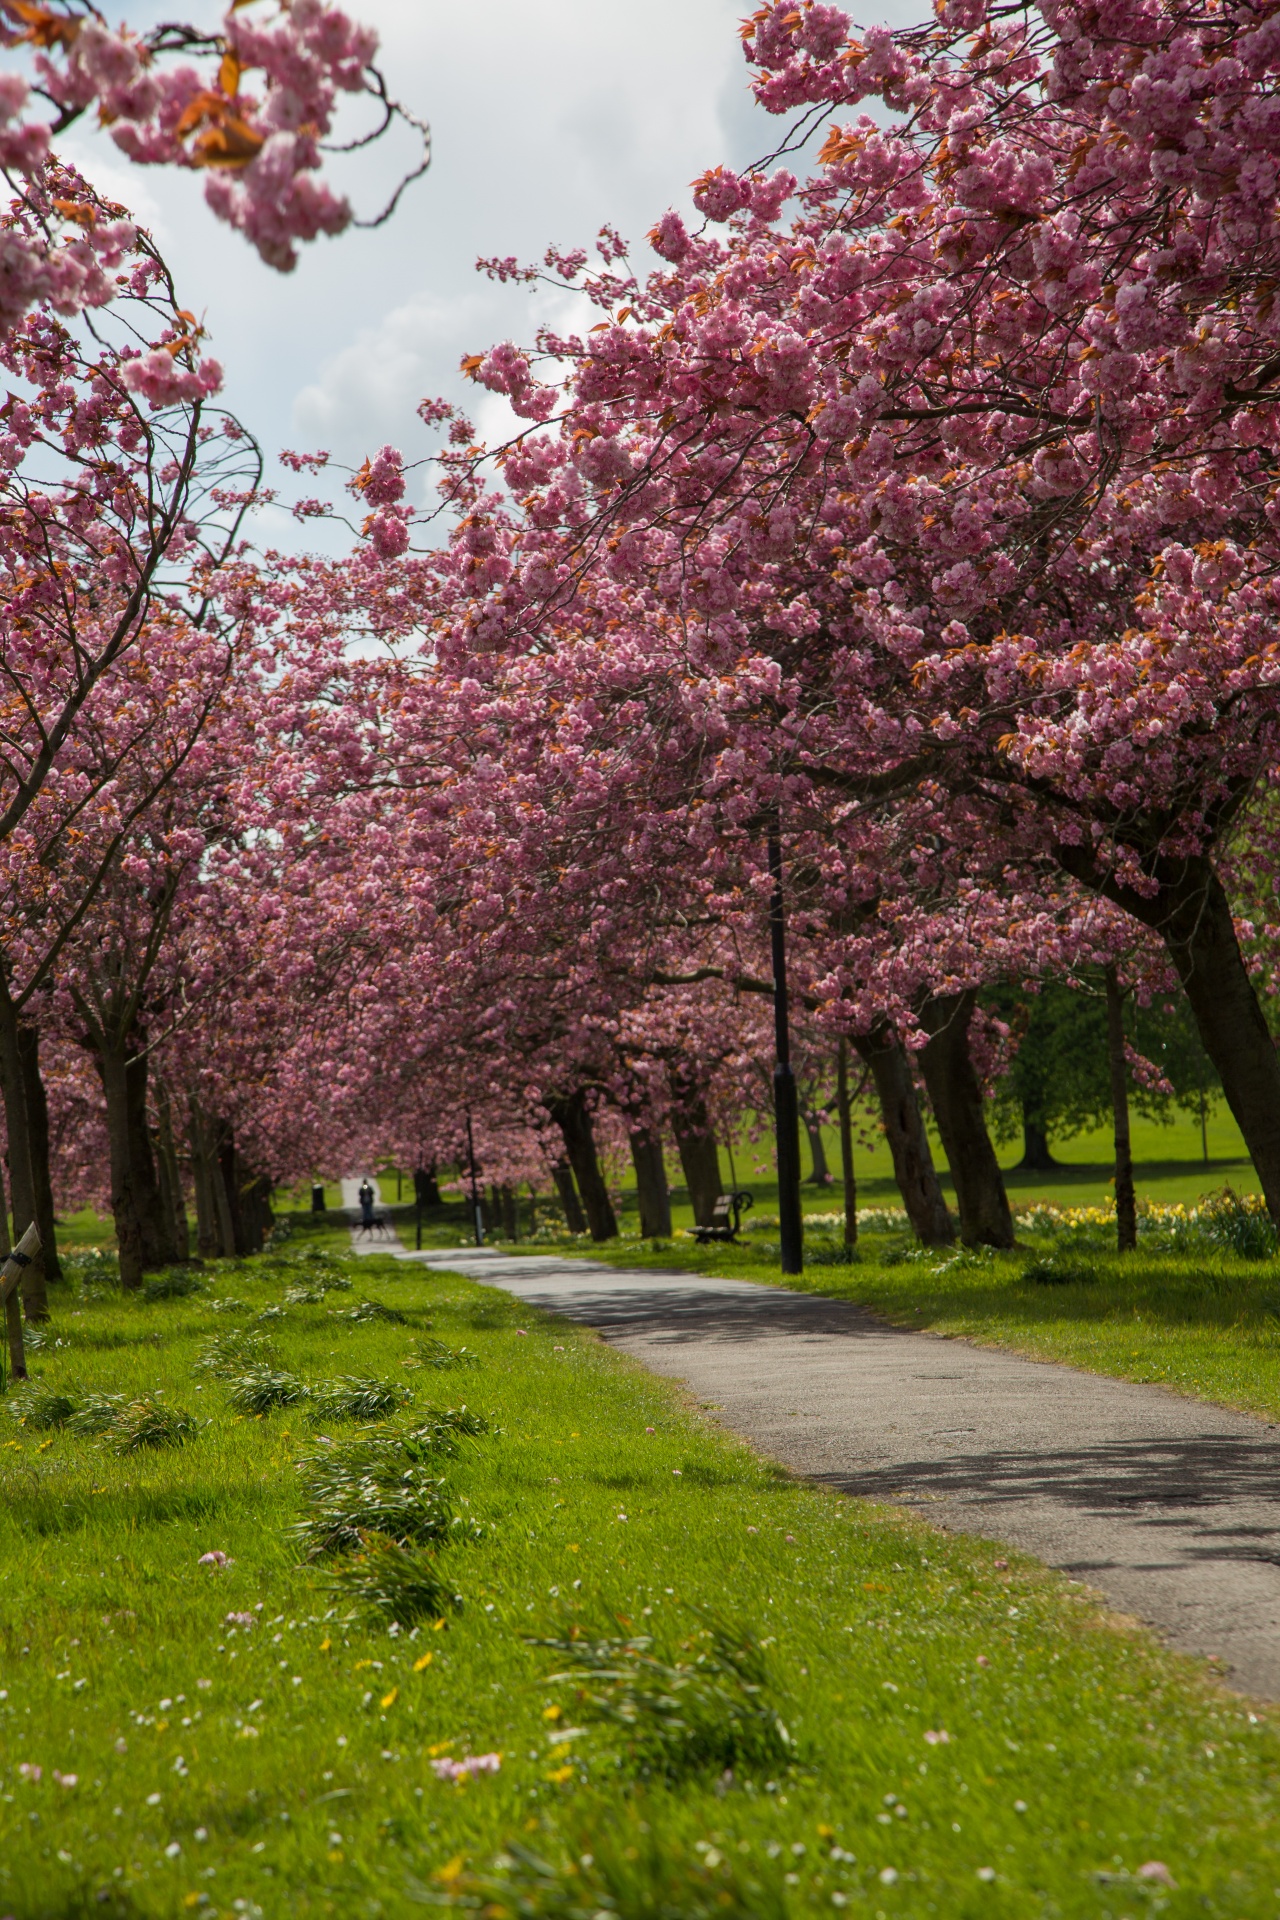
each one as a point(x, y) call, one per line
point(918, 518)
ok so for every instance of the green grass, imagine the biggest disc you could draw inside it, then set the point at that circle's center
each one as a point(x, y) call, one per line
point(286, 1768)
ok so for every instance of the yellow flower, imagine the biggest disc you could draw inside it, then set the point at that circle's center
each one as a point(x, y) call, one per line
point(420, 1666)
point(389, 1699)
point(558, 1775)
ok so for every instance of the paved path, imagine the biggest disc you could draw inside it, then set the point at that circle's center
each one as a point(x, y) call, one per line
point(384, 1237)
point(1168, 1506)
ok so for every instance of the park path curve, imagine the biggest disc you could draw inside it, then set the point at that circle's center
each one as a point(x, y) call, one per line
point(1167, 1506)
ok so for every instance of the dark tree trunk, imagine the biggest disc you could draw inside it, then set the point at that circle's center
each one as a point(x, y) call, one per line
point(208, 1235)
point(1192, 915)
point(1036, 1157)
point(651, 1184)
point(1126, 1201)
point(35, 1302)
point(143, 1236)
point(913, 1165)
point(956, 1097)
point(426, 1187)
point(574, 1218)
point(233, 1238)
point(699, 1155)
point(171, 1188)
point(38, 1142)
point(845, 1108)
point(573, 1118)
point(820, 1174)
point(510, 1217)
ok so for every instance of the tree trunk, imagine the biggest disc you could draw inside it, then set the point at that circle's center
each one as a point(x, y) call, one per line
point(157, 1236)
point(913, 1165)
point(821, 1172)
point(699, 1156)
point(845, 1108)
point(510, 1217)
point(222, 1151)
point(1126, 1203)
point(574, 1121)
point(125, 1208)
point(956, 1097)
point(651, 1184)
point(171, 1188)
point(574, 1218)
point(1192, 915)
point(38, 1142)
point(426, 1188)
point(1036, 1157)
point(35, 1302)
point(208, 1237)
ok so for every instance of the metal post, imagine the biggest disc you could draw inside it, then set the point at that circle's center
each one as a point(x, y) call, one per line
point(475, 1194)
point(786, 1104)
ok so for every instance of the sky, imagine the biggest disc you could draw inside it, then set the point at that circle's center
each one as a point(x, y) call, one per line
point(547, 121)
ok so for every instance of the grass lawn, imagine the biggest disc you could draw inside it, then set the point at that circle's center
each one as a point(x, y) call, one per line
point(963, 1737)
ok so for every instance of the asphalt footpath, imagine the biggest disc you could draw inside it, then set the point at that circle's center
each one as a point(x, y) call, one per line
point(1166, 1506)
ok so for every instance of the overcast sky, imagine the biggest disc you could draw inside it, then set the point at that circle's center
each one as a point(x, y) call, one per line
point(547, 120)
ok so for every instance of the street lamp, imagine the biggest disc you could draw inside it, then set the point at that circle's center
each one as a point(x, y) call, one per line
point(786, 1105)
point(475, 1192)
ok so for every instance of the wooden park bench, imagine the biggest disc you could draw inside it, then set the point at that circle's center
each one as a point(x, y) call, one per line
point(726, 1218)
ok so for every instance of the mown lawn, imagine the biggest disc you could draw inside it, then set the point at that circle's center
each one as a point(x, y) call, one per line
point(966, 1736)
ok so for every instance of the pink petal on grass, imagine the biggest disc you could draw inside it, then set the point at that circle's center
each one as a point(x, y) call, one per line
point(217, 1560)
point(1156, 1870)
point(937, 1737)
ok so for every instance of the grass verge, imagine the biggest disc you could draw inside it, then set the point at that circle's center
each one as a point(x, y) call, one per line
point(772, 1701)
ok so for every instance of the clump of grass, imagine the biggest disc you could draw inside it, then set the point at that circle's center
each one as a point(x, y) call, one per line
point(175, 1283)
point(229, 1305)
point(435, 1353)
point(831, 1254)
point(261, 1388)
point(352, 1397)
point(404, 1583)
point(709, 1711)
point(44, 1409)
point(652, 1880)
point(349, 1497)
point(438, 1431)
point(1058, 1269)
point(149, 1422)
point(1238, 1225)
point(230, 1353)
point(313, 1290)
point(369, 1310)
point(129, 1425)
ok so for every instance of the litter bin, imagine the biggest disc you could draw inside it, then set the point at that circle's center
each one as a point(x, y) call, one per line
point(317, 1199)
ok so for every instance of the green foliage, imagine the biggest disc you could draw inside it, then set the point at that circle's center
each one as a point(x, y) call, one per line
point(130, 1423)
point(354, 1397)
point(368, 1310)
point(1059, 1270)
point(44, 1409)
point(261, 1388)
point(614, 1880)
point(437, 1354)
point(404, 1583)
point(174, 1283)
point(709, 1711)
point(1239, 1224)
point(371, 1487)
point(230, 1353)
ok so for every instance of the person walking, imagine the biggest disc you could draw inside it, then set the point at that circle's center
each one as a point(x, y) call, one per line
point(366, 1197)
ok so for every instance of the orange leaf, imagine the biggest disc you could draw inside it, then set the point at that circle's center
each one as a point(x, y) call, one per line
point(471, 364)
point(234, 144)
point(201, 108)
point(44, 29)
point(229, 75)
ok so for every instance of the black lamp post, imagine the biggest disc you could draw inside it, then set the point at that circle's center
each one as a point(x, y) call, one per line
point(786, 1105)
point(475, 1193)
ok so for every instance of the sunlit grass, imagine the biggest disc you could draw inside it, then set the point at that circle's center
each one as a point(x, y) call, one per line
point(192, 1762)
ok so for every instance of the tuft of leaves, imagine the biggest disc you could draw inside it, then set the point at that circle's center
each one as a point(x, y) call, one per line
point(649, 1879)
point(261, 1388)
point(370, 1488)
point(435, 1353)
point(44, 1409)
point(174, 1283)
point(232, 1352)
point(404, 1583)
point(1060, 1269)
point(707, 1712)
point(369, 1310)
point(353, 1397)
point(131, 1424)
